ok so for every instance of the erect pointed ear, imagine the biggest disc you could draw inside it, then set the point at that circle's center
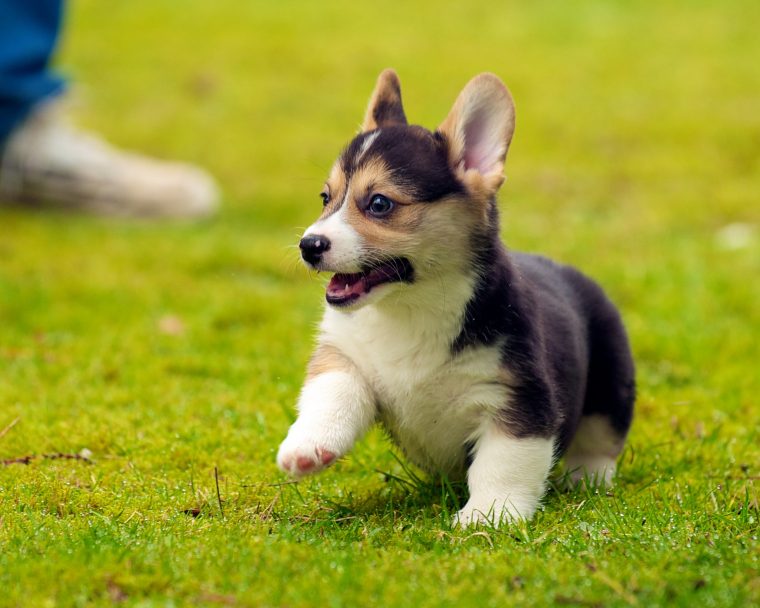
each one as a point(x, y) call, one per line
point(479, 129)
point(385, 107)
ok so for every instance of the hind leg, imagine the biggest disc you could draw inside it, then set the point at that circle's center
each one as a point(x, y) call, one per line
point(592, 453)
point(608, 405)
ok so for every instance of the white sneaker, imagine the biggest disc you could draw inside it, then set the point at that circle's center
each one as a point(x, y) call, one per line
point(46, 161)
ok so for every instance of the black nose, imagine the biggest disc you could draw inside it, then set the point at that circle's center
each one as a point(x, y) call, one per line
point(313, 246)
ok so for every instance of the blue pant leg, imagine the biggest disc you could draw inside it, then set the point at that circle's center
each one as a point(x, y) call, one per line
point(28, 34)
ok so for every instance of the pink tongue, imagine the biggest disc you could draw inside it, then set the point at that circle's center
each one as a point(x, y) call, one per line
point(346, 285)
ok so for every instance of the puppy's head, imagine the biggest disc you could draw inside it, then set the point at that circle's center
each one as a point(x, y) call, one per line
point(404, 205)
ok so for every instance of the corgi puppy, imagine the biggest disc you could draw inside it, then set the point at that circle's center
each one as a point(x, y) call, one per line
point(478, 362)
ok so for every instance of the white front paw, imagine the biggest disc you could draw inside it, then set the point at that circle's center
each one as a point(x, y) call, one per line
point(493, 513)
point(299, 456)
point(469, 516)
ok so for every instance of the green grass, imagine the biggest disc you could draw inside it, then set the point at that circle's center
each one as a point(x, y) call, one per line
point(638, 140)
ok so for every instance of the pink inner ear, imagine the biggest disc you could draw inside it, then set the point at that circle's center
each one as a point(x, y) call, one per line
point(476, 158)
point(481, 151)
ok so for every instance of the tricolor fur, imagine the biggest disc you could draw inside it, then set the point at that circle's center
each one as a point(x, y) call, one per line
point(479, 363)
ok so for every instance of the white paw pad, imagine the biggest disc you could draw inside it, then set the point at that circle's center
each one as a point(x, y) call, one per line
point(304, 458)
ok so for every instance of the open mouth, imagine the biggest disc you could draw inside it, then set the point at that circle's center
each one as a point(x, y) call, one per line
point(345, 289)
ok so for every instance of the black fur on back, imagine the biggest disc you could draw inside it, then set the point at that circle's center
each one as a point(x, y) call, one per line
point(564, 344)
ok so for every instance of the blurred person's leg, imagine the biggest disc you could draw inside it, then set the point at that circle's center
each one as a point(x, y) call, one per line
point(43, 160)
point(28, 32)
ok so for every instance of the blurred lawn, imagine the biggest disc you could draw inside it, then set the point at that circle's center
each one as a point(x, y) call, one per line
point(638, 143)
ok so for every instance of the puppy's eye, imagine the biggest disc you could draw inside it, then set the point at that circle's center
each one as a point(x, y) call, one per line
point(325, 198)
point(379, 205)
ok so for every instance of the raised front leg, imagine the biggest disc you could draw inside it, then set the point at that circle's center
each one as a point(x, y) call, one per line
point(507, 477)
point(335, 409)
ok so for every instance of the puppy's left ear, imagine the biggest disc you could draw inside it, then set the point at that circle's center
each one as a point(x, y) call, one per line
point(479, 130)
point(385, 108)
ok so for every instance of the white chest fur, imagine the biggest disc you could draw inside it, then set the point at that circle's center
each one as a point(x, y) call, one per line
point(432, 402)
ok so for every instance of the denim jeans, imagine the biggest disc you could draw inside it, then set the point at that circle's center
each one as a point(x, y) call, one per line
point(28, 33)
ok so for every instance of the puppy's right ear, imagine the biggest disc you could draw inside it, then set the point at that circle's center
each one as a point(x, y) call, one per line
point(385, 108)
point(479, 129)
